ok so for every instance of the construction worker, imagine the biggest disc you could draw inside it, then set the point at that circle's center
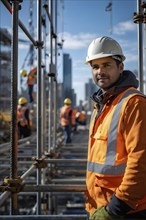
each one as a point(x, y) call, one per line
point(116, 167)
point(31, 80)
point(66, 120)
point(24, 121)
point(74, 112)
point(81, 118)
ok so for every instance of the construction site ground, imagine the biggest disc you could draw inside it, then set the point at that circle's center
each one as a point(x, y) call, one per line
point(64, 176)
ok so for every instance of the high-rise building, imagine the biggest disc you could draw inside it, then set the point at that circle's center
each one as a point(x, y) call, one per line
point(68, 91)
point(60, 97)
point(5, 69)
point(67, 76)
point(90, 88)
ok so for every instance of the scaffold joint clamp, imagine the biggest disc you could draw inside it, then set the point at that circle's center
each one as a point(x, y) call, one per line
point(39, 44)
point(39, 163)
point(13, 185)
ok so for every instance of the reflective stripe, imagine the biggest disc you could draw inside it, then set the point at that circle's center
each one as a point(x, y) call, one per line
point(106, 169)
point(113, 131)
point(109, 166)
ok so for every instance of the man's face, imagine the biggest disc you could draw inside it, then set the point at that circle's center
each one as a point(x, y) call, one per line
point(106, 72)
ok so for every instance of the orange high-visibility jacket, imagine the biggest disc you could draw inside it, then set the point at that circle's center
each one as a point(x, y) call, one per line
point(21, 115)
point(31, 79)
point(81, 116)
point(74, 112)
point(66, 116)
point(117, 153)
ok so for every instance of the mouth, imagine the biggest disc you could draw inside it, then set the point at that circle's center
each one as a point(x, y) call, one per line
point(102, 78)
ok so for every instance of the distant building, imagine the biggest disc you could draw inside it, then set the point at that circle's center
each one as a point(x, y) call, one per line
point(68, 92)
point(67, 76)
point(74, 98)
point(60, 97)
point(90, 88)
point(5, 70)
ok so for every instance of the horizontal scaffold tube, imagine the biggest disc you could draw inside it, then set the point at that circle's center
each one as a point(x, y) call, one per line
point(54, 188)
point(8, 6)
point(42, 217)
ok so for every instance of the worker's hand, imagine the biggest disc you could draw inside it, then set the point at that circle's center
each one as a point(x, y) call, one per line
point(103, 214)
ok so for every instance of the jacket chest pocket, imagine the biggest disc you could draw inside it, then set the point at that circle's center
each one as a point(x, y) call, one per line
point(101, 132)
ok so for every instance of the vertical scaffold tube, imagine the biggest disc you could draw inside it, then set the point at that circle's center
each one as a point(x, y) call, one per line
point(51, 106)
point(140, 48)
point(14, 95)
point(39, 109)
point(55, 82)
point(144, 52)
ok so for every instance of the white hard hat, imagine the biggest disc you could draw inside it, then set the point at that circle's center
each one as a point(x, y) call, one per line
point(104, 47)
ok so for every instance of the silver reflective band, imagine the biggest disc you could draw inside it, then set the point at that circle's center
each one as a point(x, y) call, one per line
point(109, 166)
point(106, 169)
point(117, 58)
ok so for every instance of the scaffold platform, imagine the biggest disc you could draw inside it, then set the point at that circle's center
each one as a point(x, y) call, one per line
point(62, 184)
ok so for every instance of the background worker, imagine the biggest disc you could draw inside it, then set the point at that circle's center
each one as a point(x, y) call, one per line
point(31, 81)
point(81, 117)
point(24, 122)
point(74, 126)
point(66, 119)
point(116, 167)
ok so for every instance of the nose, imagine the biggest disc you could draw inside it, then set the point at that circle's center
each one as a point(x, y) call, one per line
point(100, 70)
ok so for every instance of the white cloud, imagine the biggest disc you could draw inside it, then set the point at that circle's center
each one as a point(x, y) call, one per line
point(76, 41)
point(130, 57)
point(123, 27)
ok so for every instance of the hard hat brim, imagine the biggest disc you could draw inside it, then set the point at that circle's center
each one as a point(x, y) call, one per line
point(101, 55)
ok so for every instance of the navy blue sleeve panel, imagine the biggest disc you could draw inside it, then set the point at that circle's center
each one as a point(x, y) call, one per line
point(118, 207)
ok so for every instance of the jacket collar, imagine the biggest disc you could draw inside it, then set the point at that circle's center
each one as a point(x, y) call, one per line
point(126, 80)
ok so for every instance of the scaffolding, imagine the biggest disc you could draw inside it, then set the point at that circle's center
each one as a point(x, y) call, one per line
point(40, 172)
point(40, 177)
point(139, 18)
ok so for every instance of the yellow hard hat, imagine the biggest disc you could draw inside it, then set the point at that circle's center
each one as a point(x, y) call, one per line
point(67, 101)
point(22, 101)
point(23, 73)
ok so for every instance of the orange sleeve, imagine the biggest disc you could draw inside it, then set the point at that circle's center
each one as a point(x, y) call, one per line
point(133, 187)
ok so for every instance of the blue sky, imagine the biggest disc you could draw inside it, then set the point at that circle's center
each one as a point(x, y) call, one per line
point(79, 23)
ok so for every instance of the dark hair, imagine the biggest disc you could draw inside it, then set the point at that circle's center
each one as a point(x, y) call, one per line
point(117, 59)
point(117, 62)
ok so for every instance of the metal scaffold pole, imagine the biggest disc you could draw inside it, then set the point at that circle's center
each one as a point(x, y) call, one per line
point(31, 29)
point(51, 184)
point(14, 94)
point(140, 47)
point(50, 95)
point(50, 77)
point(39, 109)
point(21, 25)
point(44, 85)
point(55, 82)
point(144, 8)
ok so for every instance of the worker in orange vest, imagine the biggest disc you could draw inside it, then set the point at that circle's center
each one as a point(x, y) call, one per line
point(66, 119)
point(81, 118)
point(24, 121)
point(116, 164)
point(74, 112)
point(31, 80)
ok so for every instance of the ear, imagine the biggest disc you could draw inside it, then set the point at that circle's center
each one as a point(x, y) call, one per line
point(91, 63)
point(121, 67)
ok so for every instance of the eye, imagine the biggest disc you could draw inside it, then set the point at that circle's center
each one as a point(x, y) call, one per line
point(95, 67)
point(107, 65)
